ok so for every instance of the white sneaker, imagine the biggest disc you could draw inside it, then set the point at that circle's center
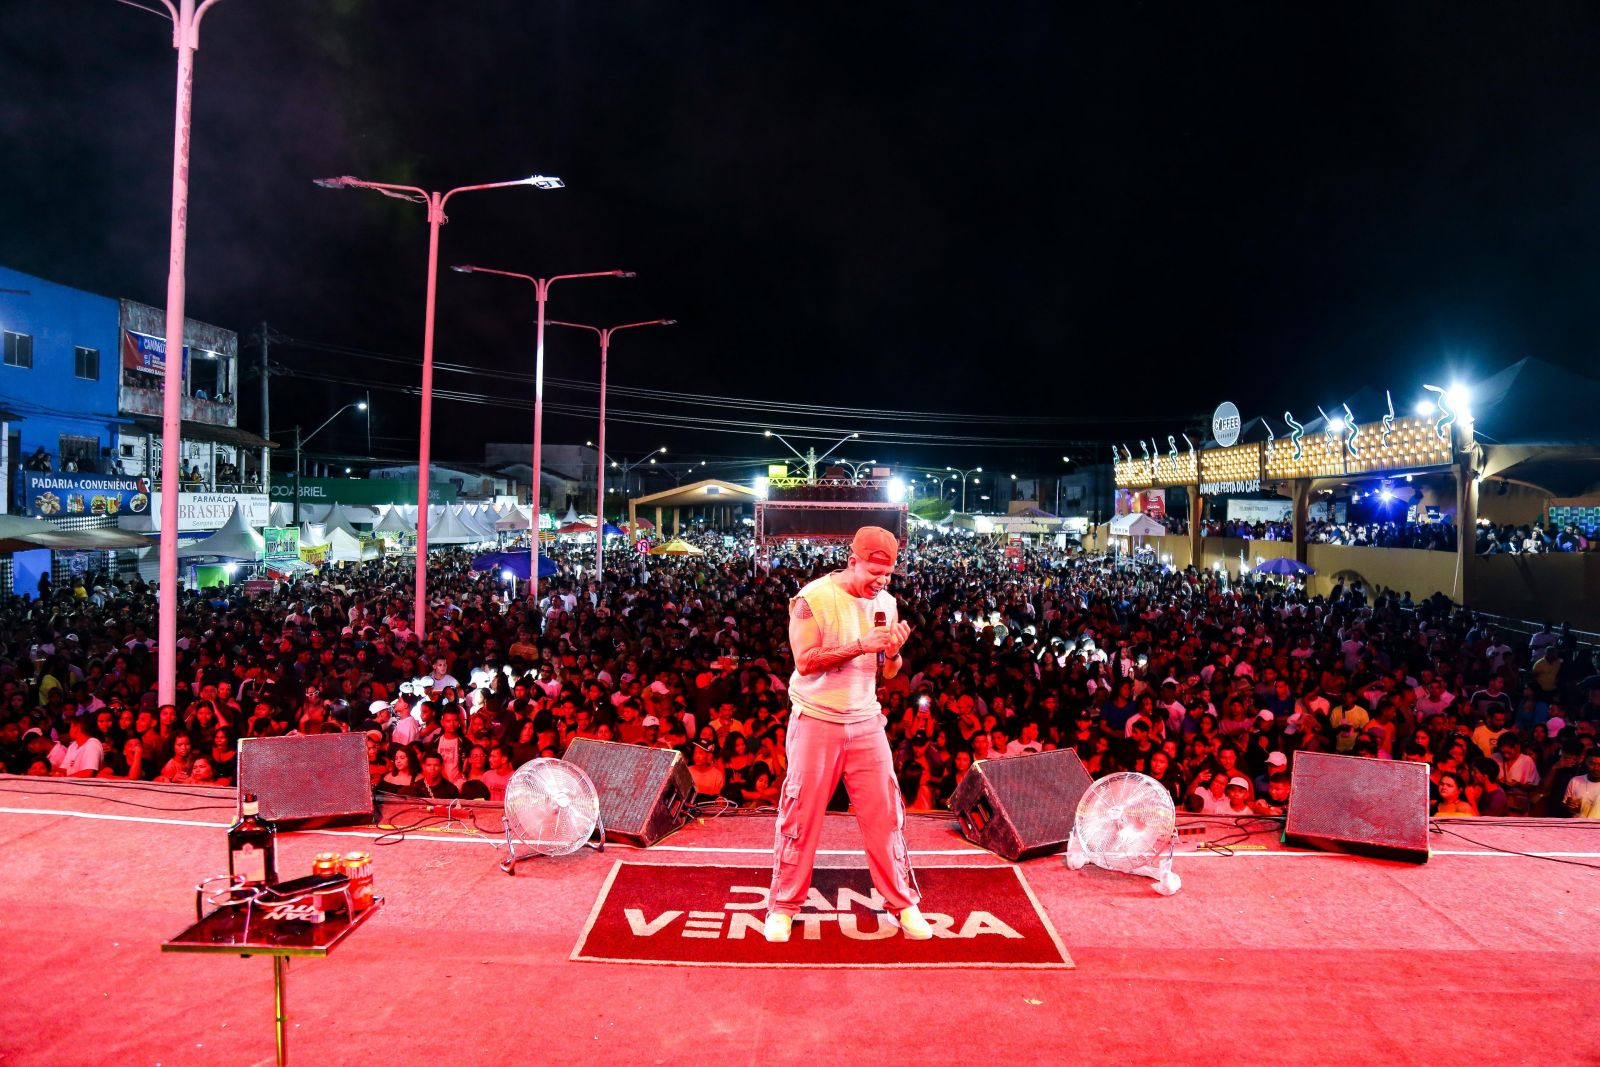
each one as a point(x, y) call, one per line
point(777, 927)
point(914, 926)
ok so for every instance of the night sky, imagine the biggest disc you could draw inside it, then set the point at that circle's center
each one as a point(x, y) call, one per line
point(1046, 219)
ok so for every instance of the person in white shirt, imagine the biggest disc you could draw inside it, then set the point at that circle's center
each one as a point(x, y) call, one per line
point(1517, 769)
point(84, 757)
point(1583, 792)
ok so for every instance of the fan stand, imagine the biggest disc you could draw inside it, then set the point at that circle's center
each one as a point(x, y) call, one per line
point(1166, 880)
point(509, 864)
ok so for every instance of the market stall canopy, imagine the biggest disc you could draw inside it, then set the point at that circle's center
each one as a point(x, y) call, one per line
point(348, 548)
point(19, 533)
point(517, 518)
point(235, 541)
point(1135, 524)
point(578, 527)
point(676, 547)
point(450, 530)
point(394, 521)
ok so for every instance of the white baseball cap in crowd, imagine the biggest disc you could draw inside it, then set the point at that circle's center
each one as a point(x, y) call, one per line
point(1277, 759)
point(377, 706)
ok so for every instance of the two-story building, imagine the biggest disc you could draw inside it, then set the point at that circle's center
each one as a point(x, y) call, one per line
point(58, 382)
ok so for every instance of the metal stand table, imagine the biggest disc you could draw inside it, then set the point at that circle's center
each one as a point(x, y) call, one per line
point(247, 926)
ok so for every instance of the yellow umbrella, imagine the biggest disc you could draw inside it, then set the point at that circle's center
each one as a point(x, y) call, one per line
point(676, 547)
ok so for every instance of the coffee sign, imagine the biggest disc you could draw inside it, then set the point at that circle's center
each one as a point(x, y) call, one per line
point(1225, 424)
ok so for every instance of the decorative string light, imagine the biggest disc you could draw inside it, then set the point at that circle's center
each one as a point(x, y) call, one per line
point(1272, 438)
point(1355, 431)
point(1172, 451)
point(1388, 420)
point(1296, 431)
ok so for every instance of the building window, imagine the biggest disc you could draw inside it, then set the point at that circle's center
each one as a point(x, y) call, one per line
point(79, 453)
point(19, 350)
point(86, 363)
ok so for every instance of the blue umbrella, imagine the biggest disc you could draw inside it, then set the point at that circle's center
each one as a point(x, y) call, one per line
point(612, 531)
point(1285, 566)
point(515, 562)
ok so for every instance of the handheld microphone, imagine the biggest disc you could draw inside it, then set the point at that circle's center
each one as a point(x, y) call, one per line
point(880, 619)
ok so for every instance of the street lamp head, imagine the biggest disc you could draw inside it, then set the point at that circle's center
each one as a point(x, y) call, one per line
point(949, 468)
point(624, 274)
point(667, 322)
point(542, 181)
point(361, 405)
point(462, 268)
point(341, 182)
point(855, 435)
point(662, 450)
point(978, 469)
point(766, 433)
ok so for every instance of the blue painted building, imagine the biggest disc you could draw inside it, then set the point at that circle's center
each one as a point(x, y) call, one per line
point(59, 373)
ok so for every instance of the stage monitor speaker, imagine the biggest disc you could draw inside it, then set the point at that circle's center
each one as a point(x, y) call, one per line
point(1355, 804)
point(644, 792)
point(317, 780)
point(1021, 806)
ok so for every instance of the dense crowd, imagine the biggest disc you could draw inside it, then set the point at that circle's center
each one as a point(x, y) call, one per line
point(1534, 539)
point(1210, 689)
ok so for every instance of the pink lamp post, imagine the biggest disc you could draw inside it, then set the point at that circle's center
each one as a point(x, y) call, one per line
point(605, 333)
point(436, 218)
point(185, 16)
point(541, 288)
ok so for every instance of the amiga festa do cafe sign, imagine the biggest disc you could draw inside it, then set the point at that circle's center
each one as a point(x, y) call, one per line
point(1225, 424)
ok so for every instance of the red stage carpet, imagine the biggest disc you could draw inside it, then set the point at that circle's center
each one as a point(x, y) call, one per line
point(1268, 958)
point(712, 917)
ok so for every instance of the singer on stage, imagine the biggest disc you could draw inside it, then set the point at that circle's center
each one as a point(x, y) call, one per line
point(844, 628)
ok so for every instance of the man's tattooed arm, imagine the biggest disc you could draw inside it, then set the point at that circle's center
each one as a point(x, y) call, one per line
point(809, 656)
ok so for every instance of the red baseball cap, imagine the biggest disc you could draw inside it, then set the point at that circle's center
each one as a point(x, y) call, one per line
point(874, 544)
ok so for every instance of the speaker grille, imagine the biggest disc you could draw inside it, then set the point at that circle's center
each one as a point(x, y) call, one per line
point(644, 792)
point(1025, 805)
point(308, 781)
point(1353, 803)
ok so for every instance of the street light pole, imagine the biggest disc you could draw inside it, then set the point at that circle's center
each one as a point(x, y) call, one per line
point(964, 476)
point(435, 203)
point(185, 16)
point(604, 333)
point(299, 443)
point(541, 288)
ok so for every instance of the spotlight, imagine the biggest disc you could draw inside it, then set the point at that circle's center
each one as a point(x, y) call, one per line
point(1425, 407)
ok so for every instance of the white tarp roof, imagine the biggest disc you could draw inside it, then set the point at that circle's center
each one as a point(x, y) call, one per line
point(394, 521)
point(449, 530)
point(1135, 524)
point(348, 548)
point(235, 540)
point(515, 518)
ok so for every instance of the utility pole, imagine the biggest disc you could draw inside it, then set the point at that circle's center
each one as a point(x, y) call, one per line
point(266, 417)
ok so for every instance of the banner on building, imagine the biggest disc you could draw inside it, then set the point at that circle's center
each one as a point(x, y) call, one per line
point(1151, 502)
point(210, 511)
point(367, 492)
point(1259, 510)
point(146, 354)
point(56, 495)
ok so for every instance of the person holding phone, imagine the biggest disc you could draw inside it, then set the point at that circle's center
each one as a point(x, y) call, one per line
point(843, 628)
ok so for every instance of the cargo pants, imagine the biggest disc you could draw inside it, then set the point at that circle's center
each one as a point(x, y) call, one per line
point(820, 753)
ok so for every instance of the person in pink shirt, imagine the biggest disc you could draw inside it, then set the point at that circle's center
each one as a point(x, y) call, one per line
point(841, 628)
